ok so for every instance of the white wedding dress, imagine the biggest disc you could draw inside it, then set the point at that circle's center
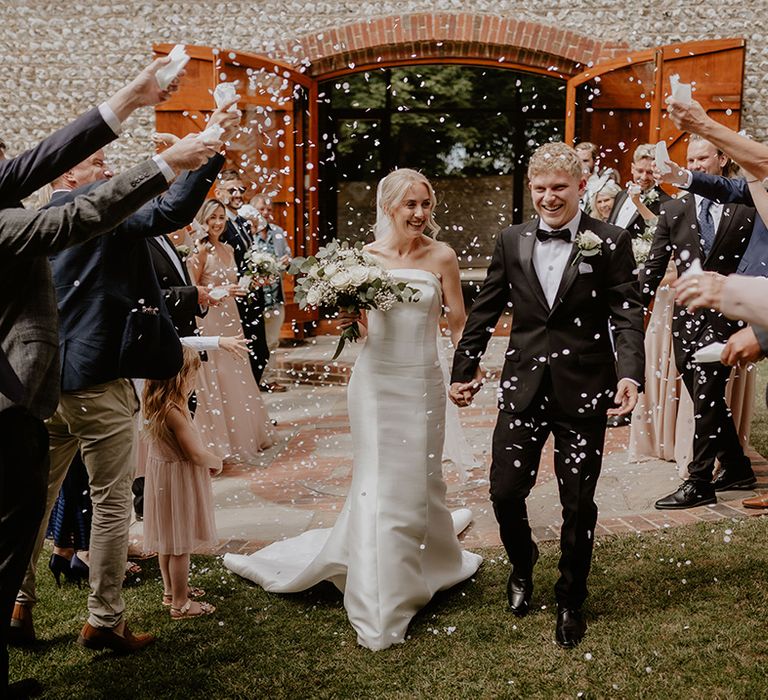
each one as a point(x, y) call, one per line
point(394, 543)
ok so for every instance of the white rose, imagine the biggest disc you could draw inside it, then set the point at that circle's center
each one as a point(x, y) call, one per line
point(313, 296)
point(331, 269)
point(341, 280)
point(375, 273)
point(589, 243)
point(359, 274)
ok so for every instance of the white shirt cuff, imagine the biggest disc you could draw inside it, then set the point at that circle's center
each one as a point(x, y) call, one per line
point(165, 169)
point(201, 343)
point(110, 118)
point(688, 181)
point(629, 379)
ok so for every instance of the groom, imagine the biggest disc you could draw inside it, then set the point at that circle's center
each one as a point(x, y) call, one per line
point(567, 278)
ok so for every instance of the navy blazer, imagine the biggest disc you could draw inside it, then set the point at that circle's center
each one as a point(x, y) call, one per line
point(98, 282)
point(52, 157)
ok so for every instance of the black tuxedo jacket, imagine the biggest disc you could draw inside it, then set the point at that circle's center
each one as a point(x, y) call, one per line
point(99, 282)
point(636, 225)
point(251, 308)
point(572, 338)
point(677, 236)
point(179, 292)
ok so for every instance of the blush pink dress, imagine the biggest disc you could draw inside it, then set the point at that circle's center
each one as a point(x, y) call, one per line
point(230, 412)
point(178, 500)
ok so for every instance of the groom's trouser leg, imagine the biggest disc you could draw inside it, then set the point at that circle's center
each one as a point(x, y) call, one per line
point(578, 457)
point(517, 443)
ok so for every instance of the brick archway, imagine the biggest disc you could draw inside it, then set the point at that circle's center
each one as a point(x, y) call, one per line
point(450, 37)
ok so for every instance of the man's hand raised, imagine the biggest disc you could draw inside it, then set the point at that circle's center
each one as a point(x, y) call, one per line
point(143, 91)
point(190, 153)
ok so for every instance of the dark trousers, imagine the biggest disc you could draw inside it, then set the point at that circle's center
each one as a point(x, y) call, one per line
point(23, 486)
point(517, 443)
point(252, 317)
point(715, 435)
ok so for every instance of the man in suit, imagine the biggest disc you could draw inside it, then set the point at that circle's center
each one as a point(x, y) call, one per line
point(97, 285)
point(567, 277)
point(28, 313)
point(749, 344)
point(624, 213)
point(597, 176)
point(238, 234)
point(26, 236)
point(696, 228)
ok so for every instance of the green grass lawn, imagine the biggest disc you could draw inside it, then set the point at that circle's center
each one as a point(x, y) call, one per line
point(680, 613)
point(674, 614)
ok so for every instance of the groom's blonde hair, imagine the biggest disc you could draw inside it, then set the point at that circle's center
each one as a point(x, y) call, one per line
point(552, 157)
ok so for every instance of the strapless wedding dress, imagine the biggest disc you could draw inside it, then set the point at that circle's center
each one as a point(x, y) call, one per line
point(394, 543)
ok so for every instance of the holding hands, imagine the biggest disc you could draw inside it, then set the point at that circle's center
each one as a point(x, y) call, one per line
point(463, 393)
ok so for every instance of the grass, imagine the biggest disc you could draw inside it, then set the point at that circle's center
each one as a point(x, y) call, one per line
point(679, 613)
point(673, 614)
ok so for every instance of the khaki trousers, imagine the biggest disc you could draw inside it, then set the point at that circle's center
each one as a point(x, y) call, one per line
point(274, 317)
point(101, 421)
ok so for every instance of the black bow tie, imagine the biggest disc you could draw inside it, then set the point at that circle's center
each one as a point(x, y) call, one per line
point(544, 236)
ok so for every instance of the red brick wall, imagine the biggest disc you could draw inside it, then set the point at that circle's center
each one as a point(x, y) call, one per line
point(450, 35)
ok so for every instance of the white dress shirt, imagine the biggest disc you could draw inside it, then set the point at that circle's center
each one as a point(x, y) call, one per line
point(551, 257)
point(715, 209)
point(626, 213)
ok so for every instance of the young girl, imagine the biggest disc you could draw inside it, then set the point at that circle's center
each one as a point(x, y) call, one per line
point(178, 507)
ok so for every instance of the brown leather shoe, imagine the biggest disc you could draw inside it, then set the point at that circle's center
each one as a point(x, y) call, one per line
point(756, 501)
point(22, 631)
point(108, 638)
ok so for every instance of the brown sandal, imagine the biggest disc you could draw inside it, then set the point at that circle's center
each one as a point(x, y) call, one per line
point(192, 592)
point(183, 612)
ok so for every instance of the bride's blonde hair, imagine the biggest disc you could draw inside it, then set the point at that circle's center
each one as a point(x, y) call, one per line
point(160, 395)
point(391, 191)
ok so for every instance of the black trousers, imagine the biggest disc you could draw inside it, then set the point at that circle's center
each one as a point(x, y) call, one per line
point(715, 435)
point(252, 317)
point(517, 444)
point(23, 487)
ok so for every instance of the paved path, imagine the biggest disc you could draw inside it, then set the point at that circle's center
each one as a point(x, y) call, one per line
point(301, 482)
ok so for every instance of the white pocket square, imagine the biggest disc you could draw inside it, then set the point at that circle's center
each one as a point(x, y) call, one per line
point(584, 268)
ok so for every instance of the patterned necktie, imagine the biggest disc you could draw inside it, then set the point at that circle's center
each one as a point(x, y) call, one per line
point(706, 225)
point(243, 228)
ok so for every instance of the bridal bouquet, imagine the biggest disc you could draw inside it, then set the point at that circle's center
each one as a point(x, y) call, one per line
point(641, 246)
point(348, 278)
point(262, 266)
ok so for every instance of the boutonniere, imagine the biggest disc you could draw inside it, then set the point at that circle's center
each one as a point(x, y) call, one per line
point(588, 244)
point(183, 251)
point(650, 196)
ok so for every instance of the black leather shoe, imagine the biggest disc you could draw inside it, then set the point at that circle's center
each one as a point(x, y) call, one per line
point(520, 588)
point(729, 480)
point(689, 495)
point(570, 627)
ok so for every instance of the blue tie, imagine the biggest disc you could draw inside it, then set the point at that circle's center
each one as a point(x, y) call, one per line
point(706, 225)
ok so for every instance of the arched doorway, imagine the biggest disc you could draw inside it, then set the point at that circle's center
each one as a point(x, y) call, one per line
point(292, 118)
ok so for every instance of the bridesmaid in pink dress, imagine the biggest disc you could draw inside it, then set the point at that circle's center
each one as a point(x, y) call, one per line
point(230, 412)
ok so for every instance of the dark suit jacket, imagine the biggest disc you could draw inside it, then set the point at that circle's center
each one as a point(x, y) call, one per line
point(28, 319)
point(677, 236)
point(179, 293)
point(99, 282)
point(572, 337)
point(636, 225)
point(29, 171)
point(251, 308)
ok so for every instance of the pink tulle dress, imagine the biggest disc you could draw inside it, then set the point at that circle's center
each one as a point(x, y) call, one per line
point(178, 500)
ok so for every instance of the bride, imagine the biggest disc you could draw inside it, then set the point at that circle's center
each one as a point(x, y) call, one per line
point(394, 543)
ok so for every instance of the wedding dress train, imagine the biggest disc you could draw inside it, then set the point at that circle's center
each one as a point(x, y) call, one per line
point(394, 544)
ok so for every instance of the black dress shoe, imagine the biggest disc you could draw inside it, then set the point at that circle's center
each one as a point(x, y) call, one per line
point(729, 480)
point(570, 627)
point(689, 495)
point(520, 588)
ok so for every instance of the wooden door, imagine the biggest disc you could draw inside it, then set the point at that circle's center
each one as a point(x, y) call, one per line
point(275, 151)
point(620, 104)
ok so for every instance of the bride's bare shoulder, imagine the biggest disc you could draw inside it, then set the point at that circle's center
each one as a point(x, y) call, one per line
point(442, 251)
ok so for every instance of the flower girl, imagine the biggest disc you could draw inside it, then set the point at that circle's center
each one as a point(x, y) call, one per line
point(178, 509)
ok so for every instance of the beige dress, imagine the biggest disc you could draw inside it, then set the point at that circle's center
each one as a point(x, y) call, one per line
point(178, 500)
point(230, 412)
point(662, 422)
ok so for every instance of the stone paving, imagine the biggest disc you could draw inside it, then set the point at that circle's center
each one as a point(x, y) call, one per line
point(302, 481)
